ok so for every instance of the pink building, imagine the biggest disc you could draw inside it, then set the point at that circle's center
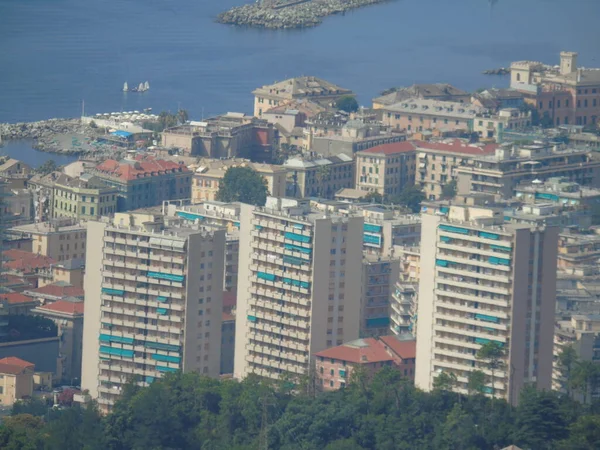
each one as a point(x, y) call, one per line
point(334, 366)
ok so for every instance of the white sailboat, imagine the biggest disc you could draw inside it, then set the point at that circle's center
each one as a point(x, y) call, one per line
point(141, 87)
point(125, 87)
point(146, 86)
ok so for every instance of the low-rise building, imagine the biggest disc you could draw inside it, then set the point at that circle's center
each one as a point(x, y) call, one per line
point(84, 198)
point(496, 99)
point(559, 190)
point(17, 206)
point(59, 239)
point(13, 168)
point(227, 136)
point(307, 87)
point(386, 169)
point(145, 181)
point(68, 317)
point(17, 303)
point(334, 366)
point(492, 125)
point(34, 268)
point(438, 91)
point(16, 380)
point(54, 292)
point(210, 172)
point(321, 177)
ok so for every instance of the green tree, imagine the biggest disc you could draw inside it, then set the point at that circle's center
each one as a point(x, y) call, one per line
point(584, 434)
point(476, 382)
point(567, 361)
point(373, 197)
point(242, 184)
point(410, 197)
point(585, 377)
point(21, 432)
point(445, 381)
point(48, 167)
point(449, 190)
point(182, 116)
point(458, 431)
point(492, 355)
point(321, 175)
point(347, 103)
point(344, 444)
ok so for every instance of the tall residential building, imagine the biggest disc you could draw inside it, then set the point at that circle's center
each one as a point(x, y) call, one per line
point(312, 88)
point(378, 278)
point(298, 289)
point(386, 169)
point(482, 281)
point(153, 301)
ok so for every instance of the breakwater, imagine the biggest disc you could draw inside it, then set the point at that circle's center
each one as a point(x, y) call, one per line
point(288, 13)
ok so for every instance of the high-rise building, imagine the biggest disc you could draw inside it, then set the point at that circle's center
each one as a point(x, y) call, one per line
point(485, 281)
point(153, 301)
point(379, 274)
point(299, 286)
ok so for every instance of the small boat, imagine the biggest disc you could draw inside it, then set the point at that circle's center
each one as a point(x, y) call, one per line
point(125, 87)
point(146, 86)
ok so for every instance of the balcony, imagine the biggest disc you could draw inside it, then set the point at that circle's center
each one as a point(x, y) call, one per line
point(472, 286)
point(471, 297)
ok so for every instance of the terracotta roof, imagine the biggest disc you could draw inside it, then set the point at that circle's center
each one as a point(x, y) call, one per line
point(404, 349)
point(26, 261)
point(10, 369)
point(392, 148)
point(362, 351)
point(60, 290)
point(457, 146)
point(14, 298)
point(147, 167)
point(64, 306)
point(14, 361)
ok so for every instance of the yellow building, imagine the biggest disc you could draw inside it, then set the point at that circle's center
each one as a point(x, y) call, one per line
point(16, 380)
point(61, 240)
point(83, 198)
point(316, 89)
point(210, 172)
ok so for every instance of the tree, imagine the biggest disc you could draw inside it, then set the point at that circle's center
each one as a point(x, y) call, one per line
point(321, 175)
point(373, 197)
point(445, 381)
point(48, 167)
point(476, 382)
point(585, 434)
point(567, 360)
point(449, 190)
point(458, 431)
point(347, 103)
point(586, 376)
point(182, 116)
point(242, 184)
point(93, 125)
point(410, 197)
point(492, 354)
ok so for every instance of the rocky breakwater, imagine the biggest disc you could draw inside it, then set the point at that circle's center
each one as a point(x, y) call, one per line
point(288, 14)
point(45, 132)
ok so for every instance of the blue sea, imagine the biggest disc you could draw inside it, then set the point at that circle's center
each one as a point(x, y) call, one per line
point(56, 54)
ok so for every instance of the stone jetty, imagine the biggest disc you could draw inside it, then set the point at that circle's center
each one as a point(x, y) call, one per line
point(285, 14)
point(500, 71)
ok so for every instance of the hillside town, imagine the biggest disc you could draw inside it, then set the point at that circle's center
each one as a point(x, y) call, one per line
point(451, 236)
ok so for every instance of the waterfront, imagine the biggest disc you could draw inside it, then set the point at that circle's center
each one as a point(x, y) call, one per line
point(52, 60)
point(23, 151)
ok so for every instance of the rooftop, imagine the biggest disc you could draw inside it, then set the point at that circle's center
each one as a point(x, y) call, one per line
point(420, 91)
point(300, 163)
point(15, 298)
point(85, 181)
point(52, 226)
point(128, 170)
point(60, 290)
point(18, 362)
point(301, 87)
point(371, 350)
point(65, 307)
point(436, 108)
point(457, 146)
point(25, 261)
point(392, 148)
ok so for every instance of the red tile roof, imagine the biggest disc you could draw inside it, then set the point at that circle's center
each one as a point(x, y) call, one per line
point(10, 369)
point(60, 290)
point(140, 168)
point(14, 298)
point(14, 361)
point(457, 146)
point(404, 349)
point(392, 148)
point(369, 351)
point(64, 306)
point(26, 261)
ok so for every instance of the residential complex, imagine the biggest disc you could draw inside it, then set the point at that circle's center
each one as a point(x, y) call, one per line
point(83, 198)
point(386, 169)
point(482, 281)
point(334, 366)
point(298, 290)
point(312, 88)
point(153, 301)
point(145, 181)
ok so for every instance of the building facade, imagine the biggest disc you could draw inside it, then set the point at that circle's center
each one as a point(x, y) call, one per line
point(83, 198)
point(59, 239)
point(153, 302)
point(321, 177)
point(378, 278)
point(297, 291)
point(482, 282)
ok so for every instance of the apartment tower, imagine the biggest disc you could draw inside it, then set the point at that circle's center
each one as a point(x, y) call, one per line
point(482, 281)
point(153, 302)
point(299, 287)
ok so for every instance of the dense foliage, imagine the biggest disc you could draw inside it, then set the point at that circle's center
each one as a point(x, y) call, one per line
point(46, 168)
point(22, 327)
point(347, 103)
point(387, 413)
point(242, 184)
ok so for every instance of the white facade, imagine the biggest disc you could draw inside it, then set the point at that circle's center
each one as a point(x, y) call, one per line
point(298, 289)
point(153, 303)
point(481, 282)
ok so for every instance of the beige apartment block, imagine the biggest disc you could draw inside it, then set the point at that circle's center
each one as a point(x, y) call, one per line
point(299, 287)
point(500, 171)
point(153, 301)
point(320, 177)
point(16, 380)
point(210, 172)
point(386, 169)
point(482, 281)
point(83, 198)
point(59, 239)
point(312, 88)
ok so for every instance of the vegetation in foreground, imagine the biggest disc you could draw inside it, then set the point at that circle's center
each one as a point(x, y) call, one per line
point(187, 411)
